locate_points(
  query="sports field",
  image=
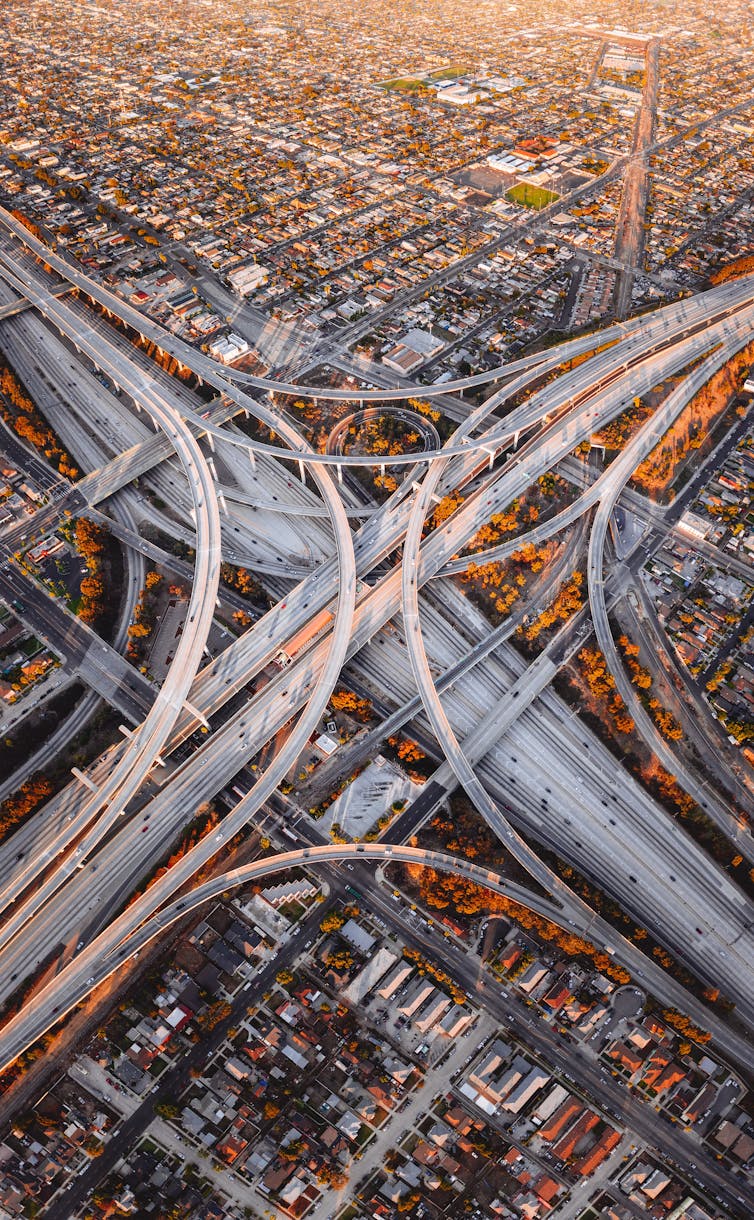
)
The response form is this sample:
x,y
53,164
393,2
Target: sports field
x,y
528,196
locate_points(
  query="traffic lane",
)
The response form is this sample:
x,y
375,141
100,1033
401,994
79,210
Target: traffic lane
x,y
82,651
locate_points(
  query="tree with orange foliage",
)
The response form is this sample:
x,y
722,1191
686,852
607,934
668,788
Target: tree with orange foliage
x,y
695,422
90,539
568,600
347,701
467,898
685,1026
240,579
23,416
731,271
445,509
595,669
424,408
92,599
90,542
31,794
533,556
665,721
407,750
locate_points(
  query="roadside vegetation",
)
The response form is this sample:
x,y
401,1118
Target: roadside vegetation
x,y
22,417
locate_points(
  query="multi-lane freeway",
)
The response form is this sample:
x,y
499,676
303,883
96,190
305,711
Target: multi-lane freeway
x,y
591,814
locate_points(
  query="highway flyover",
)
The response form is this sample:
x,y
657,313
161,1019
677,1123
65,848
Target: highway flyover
x,y
389,527
58,997
144,747
619,473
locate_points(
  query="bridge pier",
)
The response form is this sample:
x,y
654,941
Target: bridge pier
x,y
196,713
84,779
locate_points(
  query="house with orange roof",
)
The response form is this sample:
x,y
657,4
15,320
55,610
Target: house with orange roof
x,y
625,1056
565,1148
557,996
562,1116
546,1189
672,1075
510,957
598,1152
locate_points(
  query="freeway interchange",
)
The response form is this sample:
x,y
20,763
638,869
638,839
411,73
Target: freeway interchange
x,y
503,734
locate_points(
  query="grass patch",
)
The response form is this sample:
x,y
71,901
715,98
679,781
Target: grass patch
x,y
30,646
293,911
529,196
451,73
405,84
350,1213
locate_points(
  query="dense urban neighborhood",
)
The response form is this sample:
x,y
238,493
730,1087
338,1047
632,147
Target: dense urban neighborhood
x,y
376,621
